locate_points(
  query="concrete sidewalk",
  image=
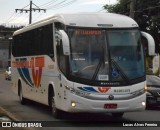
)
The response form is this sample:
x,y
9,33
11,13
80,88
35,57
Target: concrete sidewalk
x,y
6,116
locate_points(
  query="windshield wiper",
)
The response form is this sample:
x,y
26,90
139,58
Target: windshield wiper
x,y
97,69
102,59
124,76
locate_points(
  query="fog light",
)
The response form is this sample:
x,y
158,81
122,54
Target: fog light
x,y
143,103
73,104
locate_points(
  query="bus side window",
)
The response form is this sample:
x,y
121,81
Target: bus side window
x,y
61,59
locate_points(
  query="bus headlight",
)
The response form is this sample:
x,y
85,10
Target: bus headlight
x,y
139,92
73,104
77,92
145,88
143,103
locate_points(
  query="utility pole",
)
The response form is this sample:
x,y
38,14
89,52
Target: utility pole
x,y
30,10
132,8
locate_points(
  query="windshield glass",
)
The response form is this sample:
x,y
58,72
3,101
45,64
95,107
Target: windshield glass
x,y
127,52
88,53
106,55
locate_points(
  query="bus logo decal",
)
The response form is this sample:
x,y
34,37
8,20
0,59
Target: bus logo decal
x,y
37,72
36,65
23,73
103,89
92,89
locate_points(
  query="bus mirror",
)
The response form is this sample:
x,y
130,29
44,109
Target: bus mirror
x,y
65,42
151,43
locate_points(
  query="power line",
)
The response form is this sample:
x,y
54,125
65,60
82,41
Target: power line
x,y
48,3
51,5
67,4
10,17
38,16
24,19
56,4
61,5
13,18
30,10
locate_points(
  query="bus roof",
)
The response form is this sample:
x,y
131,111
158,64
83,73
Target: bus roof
x,y
97,20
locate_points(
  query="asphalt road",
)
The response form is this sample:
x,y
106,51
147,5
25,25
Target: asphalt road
x,y
33,111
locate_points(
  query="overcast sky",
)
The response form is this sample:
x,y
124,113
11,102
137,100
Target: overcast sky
x,y
8,15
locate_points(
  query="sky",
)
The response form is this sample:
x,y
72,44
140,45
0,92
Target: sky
x,y
8,15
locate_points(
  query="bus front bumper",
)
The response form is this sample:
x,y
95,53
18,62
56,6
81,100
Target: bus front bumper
x,y
81,104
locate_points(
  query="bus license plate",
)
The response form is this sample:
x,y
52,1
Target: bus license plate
x,y
110,106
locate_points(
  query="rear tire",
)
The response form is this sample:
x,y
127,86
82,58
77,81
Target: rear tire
x,y
22,99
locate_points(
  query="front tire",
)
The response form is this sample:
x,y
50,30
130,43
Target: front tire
x,y
55,112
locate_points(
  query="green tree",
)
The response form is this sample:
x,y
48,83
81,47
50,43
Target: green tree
x,y
121,7
147,15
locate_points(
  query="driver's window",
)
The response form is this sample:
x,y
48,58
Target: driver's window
x,y
61,59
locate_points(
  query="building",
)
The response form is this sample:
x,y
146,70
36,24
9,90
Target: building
x,y
5,45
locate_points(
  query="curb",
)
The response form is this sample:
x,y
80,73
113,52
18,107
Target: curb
x,y
3,112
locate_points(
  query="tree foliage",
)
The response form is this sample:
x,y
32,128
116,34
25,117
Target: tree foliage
x,y
147,15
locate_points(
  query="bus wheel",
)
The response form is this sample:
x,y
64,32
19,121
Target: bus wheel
x,y
55,112
118,114
22,99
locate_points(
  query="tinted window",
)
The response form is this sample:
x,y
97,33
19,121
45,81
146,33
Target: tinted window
x,y
61,59
38,41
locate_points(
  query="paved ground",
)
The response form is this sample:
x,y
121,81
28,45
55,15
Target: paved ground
x,y
4,115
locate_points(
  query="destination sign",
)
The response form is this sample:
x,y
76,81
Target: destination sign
x,y
88,32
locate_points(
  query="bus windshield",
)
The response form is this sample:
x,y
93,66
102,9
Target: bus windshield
x,y
106,55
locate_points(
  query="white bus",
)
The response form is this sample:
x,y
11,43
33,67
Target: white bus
x,y
81,63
